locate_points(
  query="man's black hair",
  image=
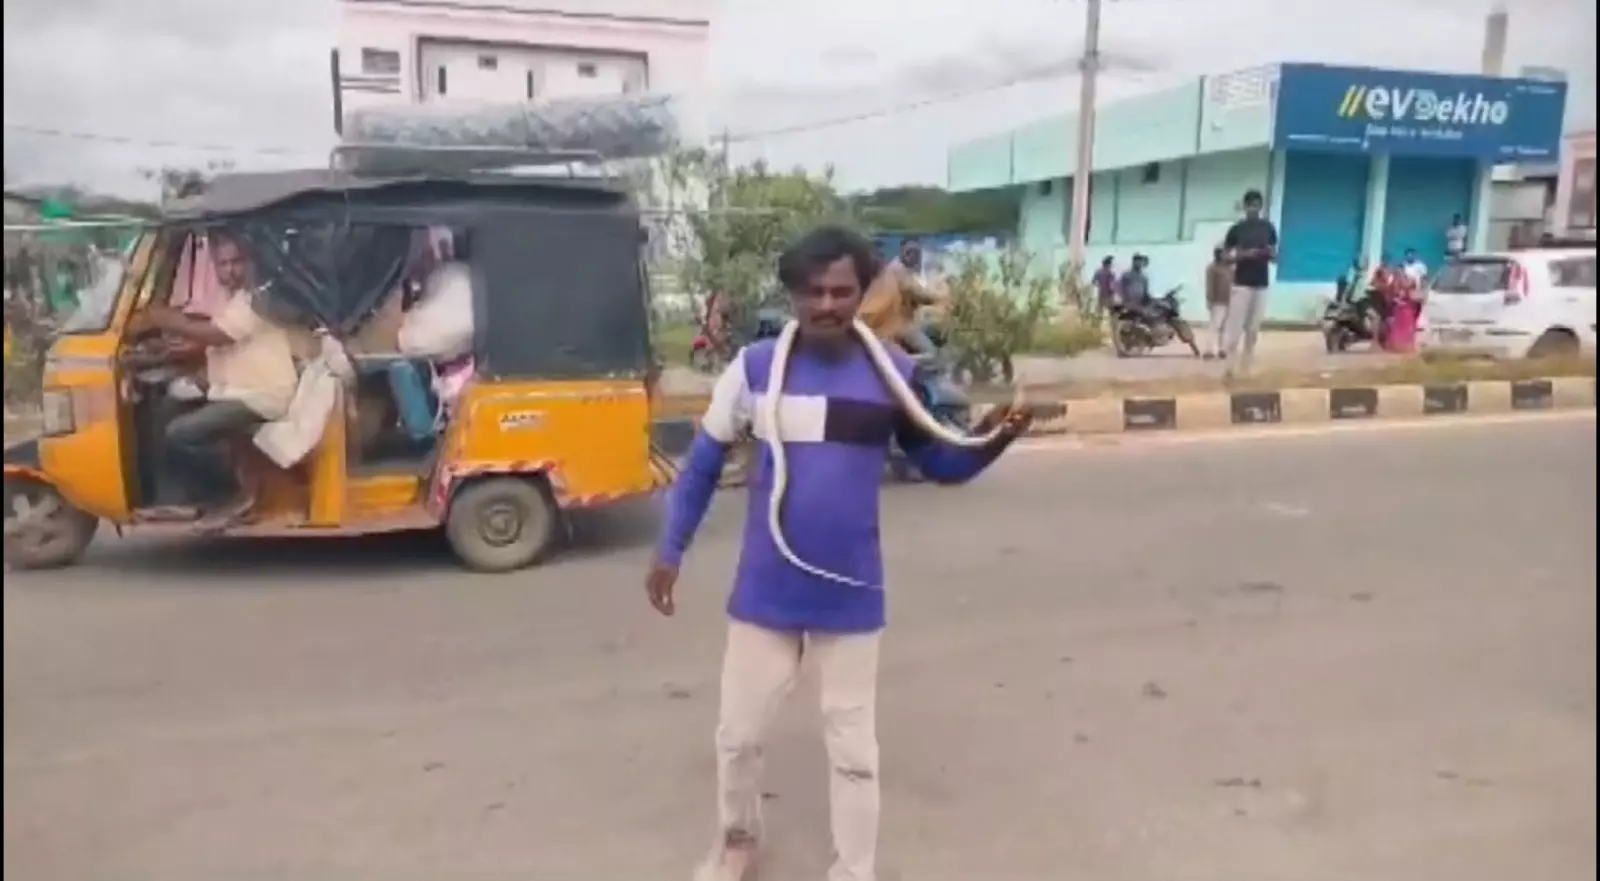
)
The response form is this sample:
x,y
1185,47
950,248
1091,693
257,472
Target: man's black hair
x,y
1252,196
821,248
1108,260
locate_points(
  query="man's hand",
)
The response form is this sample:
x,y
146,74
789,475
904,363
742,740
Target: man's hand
x,y
659,584
1012,422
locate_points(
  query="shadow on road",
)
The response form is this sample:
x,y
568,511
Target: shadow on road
x,y
593,533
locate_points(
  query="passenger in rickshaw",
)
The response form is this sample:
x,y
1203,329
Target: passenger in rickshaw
x,y
249,379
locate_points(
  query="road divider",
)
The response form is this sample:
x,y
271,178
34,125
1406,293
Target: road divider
x,y
1254,408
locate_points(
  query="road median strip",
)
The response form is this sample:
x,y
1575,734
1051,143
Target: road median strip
x,y
1432,390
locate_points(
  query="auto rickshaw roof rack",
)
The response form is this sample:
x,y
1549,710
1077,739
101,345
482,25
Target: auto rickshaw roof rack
x,y
388,160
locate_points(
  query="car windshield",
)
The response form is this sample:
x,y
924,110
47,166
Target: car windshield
x,y
1472,277
98,301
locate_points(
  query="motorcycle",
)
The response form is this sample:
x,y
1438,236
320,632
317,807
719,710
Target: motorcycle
x,y
1138,330
709,353
1348,320
933,380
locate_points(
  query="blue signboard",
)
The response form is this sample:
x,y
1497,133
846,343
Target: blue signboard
x,y
1363,110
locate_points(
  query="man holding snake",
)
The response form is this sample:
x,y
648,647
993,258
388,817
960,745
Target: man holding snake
x,y
825,399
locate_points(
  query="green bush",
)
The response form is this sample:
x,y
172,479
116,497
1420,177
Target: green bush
x,y
996,310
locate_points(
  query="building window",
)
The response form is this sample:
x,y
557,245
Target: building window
x,y
488,62
1045,186
1151,173
380,61
587,70
442,84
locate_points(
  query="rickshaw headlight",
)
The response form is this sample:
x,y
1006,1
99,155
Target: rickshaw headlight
x,y
56,417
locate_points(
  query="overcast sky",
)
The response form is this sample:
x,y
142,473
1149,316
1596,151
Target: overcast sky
x,y
251,75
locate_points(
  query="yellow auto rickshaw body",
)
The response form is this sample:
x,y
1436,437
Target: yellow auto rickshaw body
x,y
531,436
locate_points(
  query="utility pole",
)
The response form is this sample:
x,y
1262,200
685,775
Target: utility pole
x,y
1494,40
1089,70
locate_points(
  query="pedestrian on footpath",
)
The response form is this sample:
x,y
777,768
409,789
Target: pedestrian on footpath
x,y
1251,246
810,578
1219,288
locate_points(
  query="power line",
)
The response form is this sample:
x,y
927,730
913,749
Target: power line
x,y
128,140
1036,75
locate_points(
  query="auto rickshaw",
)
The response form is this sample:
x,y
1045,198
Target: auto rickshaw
x,y
555,416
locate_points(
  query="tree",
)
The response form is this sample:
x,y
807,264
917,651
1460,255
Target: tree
x,y
732,223
932,211
182,182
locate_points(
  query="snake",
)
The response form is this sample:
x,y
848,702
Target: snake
x,y
899,389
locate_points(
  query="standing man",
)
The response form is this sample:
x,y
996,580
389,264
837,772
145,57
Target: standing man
x,y
1219,288
838,416
1455,238
1251,245
1105,283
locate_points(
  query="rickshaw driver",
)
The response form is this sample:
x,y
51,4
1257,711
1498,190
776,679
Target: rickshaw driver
x,y
250,379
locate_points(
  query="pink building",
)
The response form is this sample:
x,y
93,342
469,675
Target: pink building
x,y
1574,211
504,51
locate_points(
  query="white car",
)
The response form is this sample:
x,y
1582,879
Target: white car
x,y
1513,304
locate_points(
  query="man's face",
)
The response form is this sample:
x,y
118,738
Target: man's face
x,y
826,304
1252,208
911,255
1140,264
233,271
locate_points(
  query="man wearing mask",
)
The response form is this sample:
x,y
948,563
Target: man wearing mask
x,y
1251,245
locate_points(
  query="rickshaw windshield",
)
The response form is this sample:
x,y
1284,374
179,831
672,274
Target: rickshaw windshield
x,y
98,301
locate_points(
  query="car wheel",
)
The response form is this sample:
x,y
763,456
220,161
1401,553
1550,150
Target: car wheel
x,y
1555,343
42,529
502,523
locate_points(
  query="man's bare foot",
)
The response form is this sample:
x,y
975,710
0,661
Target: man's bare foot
x,y
231,514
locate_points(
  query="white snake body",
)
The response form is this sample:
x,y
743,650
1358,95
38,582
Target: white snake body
x,y
903,395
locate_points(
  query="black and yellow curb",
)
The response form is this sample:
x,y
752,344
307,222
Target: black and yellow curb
x,y
1290,406
1299,406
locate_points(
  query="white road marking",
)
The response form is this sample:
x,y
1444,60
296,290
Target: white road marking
x,y
1137,439
1282,510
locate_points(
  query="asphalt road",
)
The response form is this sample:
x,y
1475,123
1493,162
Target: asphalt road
x,y
1278,350
1293,657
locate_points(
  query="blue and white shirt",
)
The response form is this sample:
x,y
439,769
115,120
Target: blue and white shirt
x,y
837,418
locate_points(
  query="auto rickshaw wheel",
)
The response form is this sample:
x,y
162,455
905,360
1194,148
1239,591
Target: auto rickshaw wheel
x,y
42,529
500,524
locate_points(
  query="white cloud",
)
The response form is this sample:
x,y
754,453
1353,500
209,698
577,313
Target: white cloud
x,y
248,74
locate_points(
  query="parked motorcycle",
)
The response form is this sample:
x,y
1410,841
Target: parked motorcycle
x,y
1136,330
1349,320
710,353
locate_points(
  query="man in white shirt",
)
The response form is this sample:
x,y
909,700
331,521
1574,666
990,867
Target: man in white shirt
x,y
1414,268
250,379
1455,237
